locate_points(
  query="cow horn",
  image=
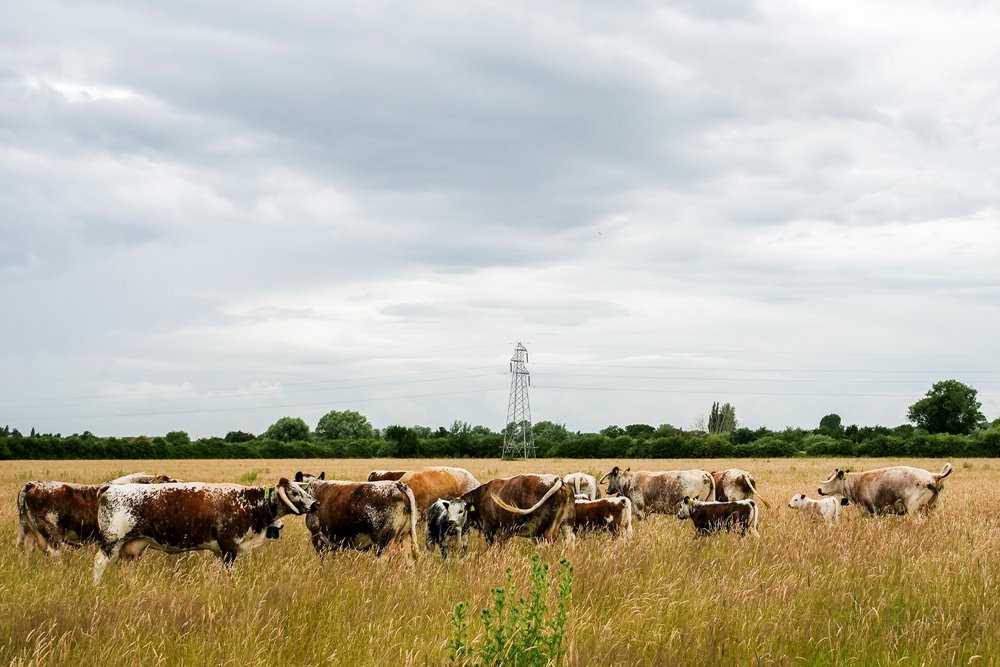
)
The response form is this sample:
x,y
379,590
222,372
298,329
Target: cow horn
x,y
284,499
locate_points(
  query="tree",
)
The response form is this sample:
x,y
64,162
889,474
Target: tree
x,y
405,440
949,407
344,425
550,432
721,419
176,438
830,424
239,436
288,429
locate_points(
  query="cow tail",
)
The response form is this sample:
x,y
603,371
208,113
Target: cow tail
x,y
754,518
711,485
749,480
414,548
23,516
517,510
628,519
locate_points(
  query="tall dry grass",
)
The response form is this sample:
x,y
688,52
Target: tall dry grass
x,y
870,592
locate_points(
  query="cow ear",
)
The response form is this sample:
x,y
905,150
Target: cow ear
x,y
322,475
840,474
628,469
283,482
298,476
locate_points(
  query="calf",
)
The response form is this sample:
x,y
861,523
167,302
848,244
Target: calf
x,y
227,519
895,490
611,514
385,475
827,509
659,491
54,514
583,484
495,508
362,515
713,516
447,518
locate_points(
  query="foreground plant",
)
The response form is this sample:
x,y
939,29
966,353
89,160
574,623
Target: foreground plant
x,y
521,632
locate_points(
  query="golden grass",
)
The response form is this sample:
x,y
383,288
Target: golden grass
x,y
869,592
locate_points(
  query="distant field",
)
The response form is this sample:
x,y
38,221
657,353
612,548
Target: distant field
x,y
870,592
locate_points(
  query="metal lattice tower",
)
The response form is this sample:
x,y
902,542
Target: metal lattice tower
x,y
518,441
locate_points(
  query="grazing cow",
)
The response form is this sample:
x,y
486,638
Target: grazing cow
x,y
142,478
611,514
896,490
659,491
445,519
713,516
432,484
385,475
538,506
362,515
735,484
227,519
52,514
583,484
827,509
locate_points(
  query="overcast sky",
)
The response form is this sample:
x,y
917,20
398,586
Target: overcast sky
x,y
212,216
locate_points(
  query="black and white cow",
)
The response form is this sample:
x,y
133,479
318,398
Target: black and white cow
x,y
446,519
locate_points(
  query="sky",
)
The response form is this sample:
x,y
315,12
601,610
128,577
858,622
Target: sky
x,y
213,215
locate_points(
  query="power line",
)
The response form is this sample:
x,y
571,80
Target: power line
x,y
716,393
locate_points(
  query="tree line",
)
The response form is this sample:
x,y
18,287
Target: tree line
x,y
945,422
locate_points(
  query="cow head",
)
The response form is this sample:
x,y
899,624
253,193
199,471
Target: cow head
x,y
294,498
835,485
456,513
686,506
796,501
617,480
308,478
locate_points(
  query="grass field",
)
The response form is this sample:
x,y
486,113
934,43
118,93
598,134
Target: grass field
x,y
881,591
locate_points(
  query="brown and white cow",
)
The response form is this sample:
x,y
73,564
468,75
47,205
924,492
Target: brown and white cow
x,y
362,515
538,506
713,516
431,484
583,485
735,484
227,519
53,514
895,490
385,475
610,514
659,492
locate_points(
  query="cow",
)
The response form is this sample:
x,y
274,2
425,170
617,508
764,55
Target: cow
x,y
362,515
142,478
827,509
385,475
447,518
434,483
659,491
896,490
226,519
538,506
735,484
713,516
53,514
583,484
610,514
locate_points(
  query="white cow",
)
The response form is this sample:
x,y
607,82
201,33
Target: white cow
x,y
827,509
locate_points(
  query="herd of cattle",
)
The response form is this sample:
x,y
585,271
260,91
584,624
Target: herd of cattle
x,y
127,515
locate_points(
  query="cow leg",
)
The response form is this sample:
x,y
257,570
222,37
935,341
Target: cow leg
x,y
107,554
228,549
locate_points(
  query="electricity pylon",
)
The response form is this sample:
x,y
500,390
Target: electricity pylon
x,y
518,441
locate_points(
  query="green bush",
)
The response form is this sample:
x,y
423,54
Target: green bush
x,y
521,632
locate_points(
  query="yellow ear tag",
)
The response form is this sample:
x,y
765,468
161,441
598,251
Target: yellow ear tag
x,y
472,508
